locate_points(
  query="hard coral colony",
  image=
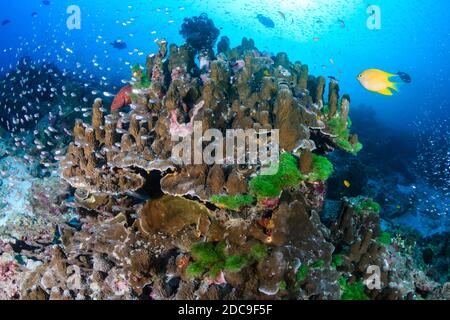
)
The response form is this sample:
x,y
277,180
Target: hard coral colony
x,y
150,227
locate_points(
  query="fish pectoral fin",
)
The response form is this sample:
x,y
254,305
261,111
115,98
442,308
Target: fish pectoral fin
x,y
385,92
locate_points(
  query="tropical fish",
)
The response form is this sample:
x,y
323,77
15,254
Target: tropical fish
x,y
347,183
282,15
46,3
34,14
404,76
119,44
122,99
5,22
265,21
333,79
376,80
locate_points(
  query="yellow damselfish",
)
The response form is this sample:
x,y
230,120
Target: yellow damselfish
x,y
347,183
376,80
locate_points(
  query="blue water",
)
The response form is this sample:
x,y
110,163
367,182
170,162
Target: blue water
x,y
332,37
414,38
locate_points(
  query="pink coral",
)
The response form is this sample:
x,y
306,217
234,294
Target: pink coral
x,y
204,63
183,130
7,270
179,73
219,280
238,65
204,77
270,202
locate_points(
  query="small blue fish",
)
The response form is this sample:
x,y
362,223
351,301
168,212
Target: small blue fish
x,y
265,21
119,44
5,22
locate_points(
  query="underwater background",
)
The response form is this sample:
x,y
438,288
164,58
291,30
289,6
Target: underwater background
x,y
405,163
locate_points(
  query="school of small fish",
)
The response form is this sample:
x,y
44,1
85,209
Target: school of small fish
x,y
48,79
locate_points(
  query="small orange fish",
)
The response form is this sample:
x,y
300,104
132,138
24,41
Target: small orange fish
x,y
347,183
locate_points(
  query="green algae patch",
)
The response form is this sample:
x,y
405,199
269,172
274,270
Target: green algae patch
x,y
385,238
136,68
282,286
271,186
258,252
347,146
322,169
337,260
301,274
368,205
341,130
361,204
354,291
143,84
234,203
210,259
318,264
235,263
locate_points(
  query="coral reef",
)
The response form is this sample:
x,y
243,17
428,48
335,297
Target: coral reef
x,y
148,227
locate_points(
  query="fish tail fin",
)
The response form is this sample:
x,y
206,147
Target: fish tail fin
x,y
394,86
390,75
